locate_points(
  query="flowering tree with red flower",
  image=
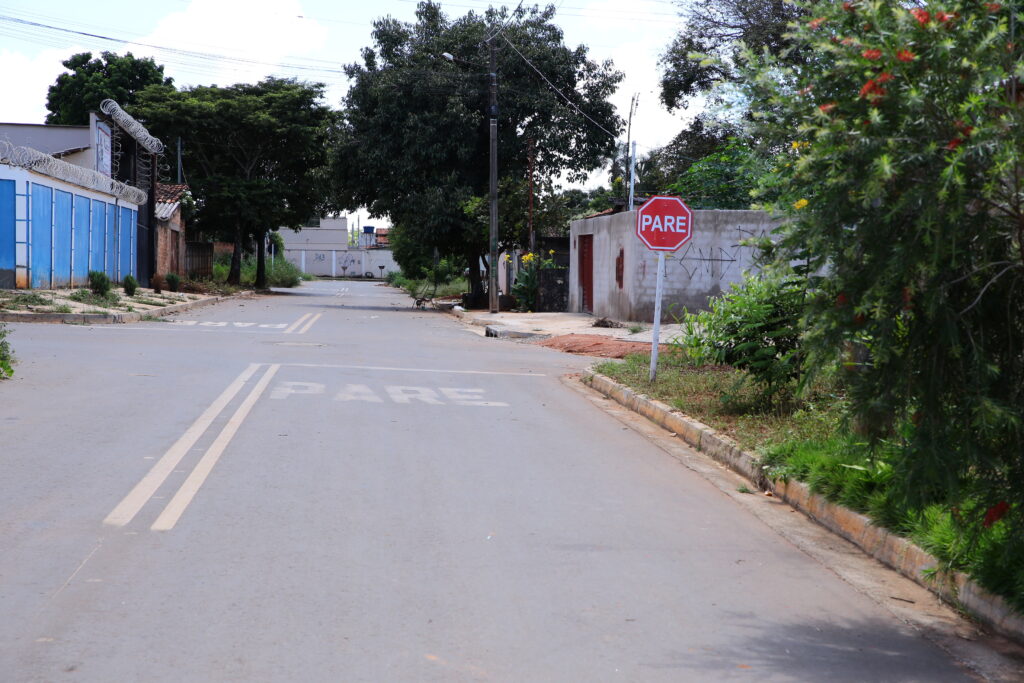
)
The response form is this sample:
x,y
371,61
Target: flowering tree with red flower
x,y
914,177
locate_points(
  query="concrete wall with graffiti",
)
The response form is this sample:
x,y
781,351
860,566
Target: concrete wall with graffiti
x,y
623,271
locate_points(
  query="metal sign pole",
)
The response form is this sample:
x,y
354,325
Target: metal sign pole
x,y
656,332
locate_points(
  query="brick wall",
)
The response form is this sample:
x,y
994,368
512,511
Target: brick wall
x,y
170,245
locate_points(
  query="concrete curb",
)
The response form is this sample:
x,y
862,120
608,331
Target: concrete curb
x,y
114,318
502,332
894,551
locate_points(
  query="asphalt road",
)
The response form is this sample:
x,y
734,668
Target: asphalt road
x,y
328,485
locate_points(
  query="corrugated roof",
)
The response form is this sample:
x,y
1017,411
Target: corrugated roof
x,y
164,210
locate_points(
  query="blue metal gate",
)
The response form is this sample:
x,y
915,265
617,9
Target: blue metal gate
x,y
41,259
7,235
80,248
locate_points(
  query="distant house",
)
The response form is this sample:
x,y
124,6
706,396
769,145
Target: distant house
x,y
75,199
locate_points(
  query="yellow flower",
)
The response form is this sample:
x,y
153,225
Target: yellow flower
x,y
800,203
506,258
528,258
551,252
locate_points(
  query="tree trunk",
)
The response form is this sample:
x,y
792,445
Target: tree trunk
x,y
235,272
261,260
476,285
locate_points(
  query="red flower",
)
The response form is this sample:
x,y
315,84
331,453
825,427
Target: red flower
x,y
805,91
871,54
826,108
848,41
859,319
965,130
885,77
841,300
993,7
848,6
945,17
905,56
996,513
873,89
921,15
954,143
816,23
908,298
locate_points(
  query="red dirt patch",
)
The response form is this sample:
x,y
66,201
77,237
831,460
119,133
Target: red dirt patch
x,y
596,345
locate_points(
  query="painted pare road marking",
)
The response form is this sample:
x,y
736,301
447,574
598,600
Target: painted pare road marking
x,y
383,368
157,475
440,396
312,320
172,513
294,325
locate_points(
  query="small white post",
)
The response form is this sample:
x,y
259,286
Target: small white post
x,y
656,332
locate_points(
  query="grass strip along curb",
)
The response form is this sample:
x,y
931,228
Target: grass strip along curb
x,y
894,551
112,318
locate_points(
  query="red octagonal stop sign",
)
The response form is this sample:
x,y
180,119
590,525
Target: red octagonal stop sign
x,y
664,223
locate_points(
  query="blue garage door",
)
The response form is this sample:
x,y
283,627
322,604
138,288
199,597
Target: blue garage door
x,y
80,258
62,225
7,233
99,230
42,219
110,262
125,233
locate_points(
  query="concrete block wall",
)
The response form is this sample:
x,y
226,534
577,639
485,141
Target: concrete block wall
x,y
701,269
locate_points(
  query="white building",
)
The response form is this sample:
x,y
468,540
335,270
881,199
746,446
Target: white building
x,y
327,247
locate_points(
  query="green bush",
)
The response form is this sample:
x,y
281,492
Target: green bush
x,y
130,285
173,282
157,283
99,283
6,355
755,327
84,296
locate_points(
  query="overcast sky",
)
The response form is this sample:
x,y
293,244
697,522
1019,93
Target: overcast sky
x,y
309,39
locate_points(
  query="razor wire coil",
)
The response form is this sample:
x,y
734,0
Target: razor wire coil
x,y
40,162
131,126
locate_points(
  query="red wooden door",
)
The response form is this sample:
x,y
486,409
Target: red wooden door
x,y
586,251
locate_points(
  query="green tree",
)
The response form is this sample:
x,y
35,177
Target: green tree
x,y
414,141
725,179
91,81
902,174
256,155
720,29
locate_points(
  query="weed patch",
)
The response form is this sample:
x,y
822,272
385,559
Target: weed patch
x,y
84,296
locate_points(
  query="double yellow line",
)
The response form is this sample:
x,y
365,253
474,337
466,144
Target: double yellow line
x,y
138,497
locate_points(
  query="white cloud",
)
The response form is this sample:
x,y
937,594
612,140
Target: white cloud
x,y
26,82
261,34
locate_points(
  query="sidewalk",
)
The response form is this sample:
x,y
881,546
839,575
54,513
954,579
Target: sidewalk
x,y
542,325
57,306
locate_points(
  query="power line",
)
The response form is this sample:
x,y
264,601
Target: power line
x,y
505,25
186,54
560,93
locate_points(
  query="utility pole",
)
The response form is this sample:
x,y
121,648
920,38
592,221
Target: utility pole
x,y
632,175
492,111
533,239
